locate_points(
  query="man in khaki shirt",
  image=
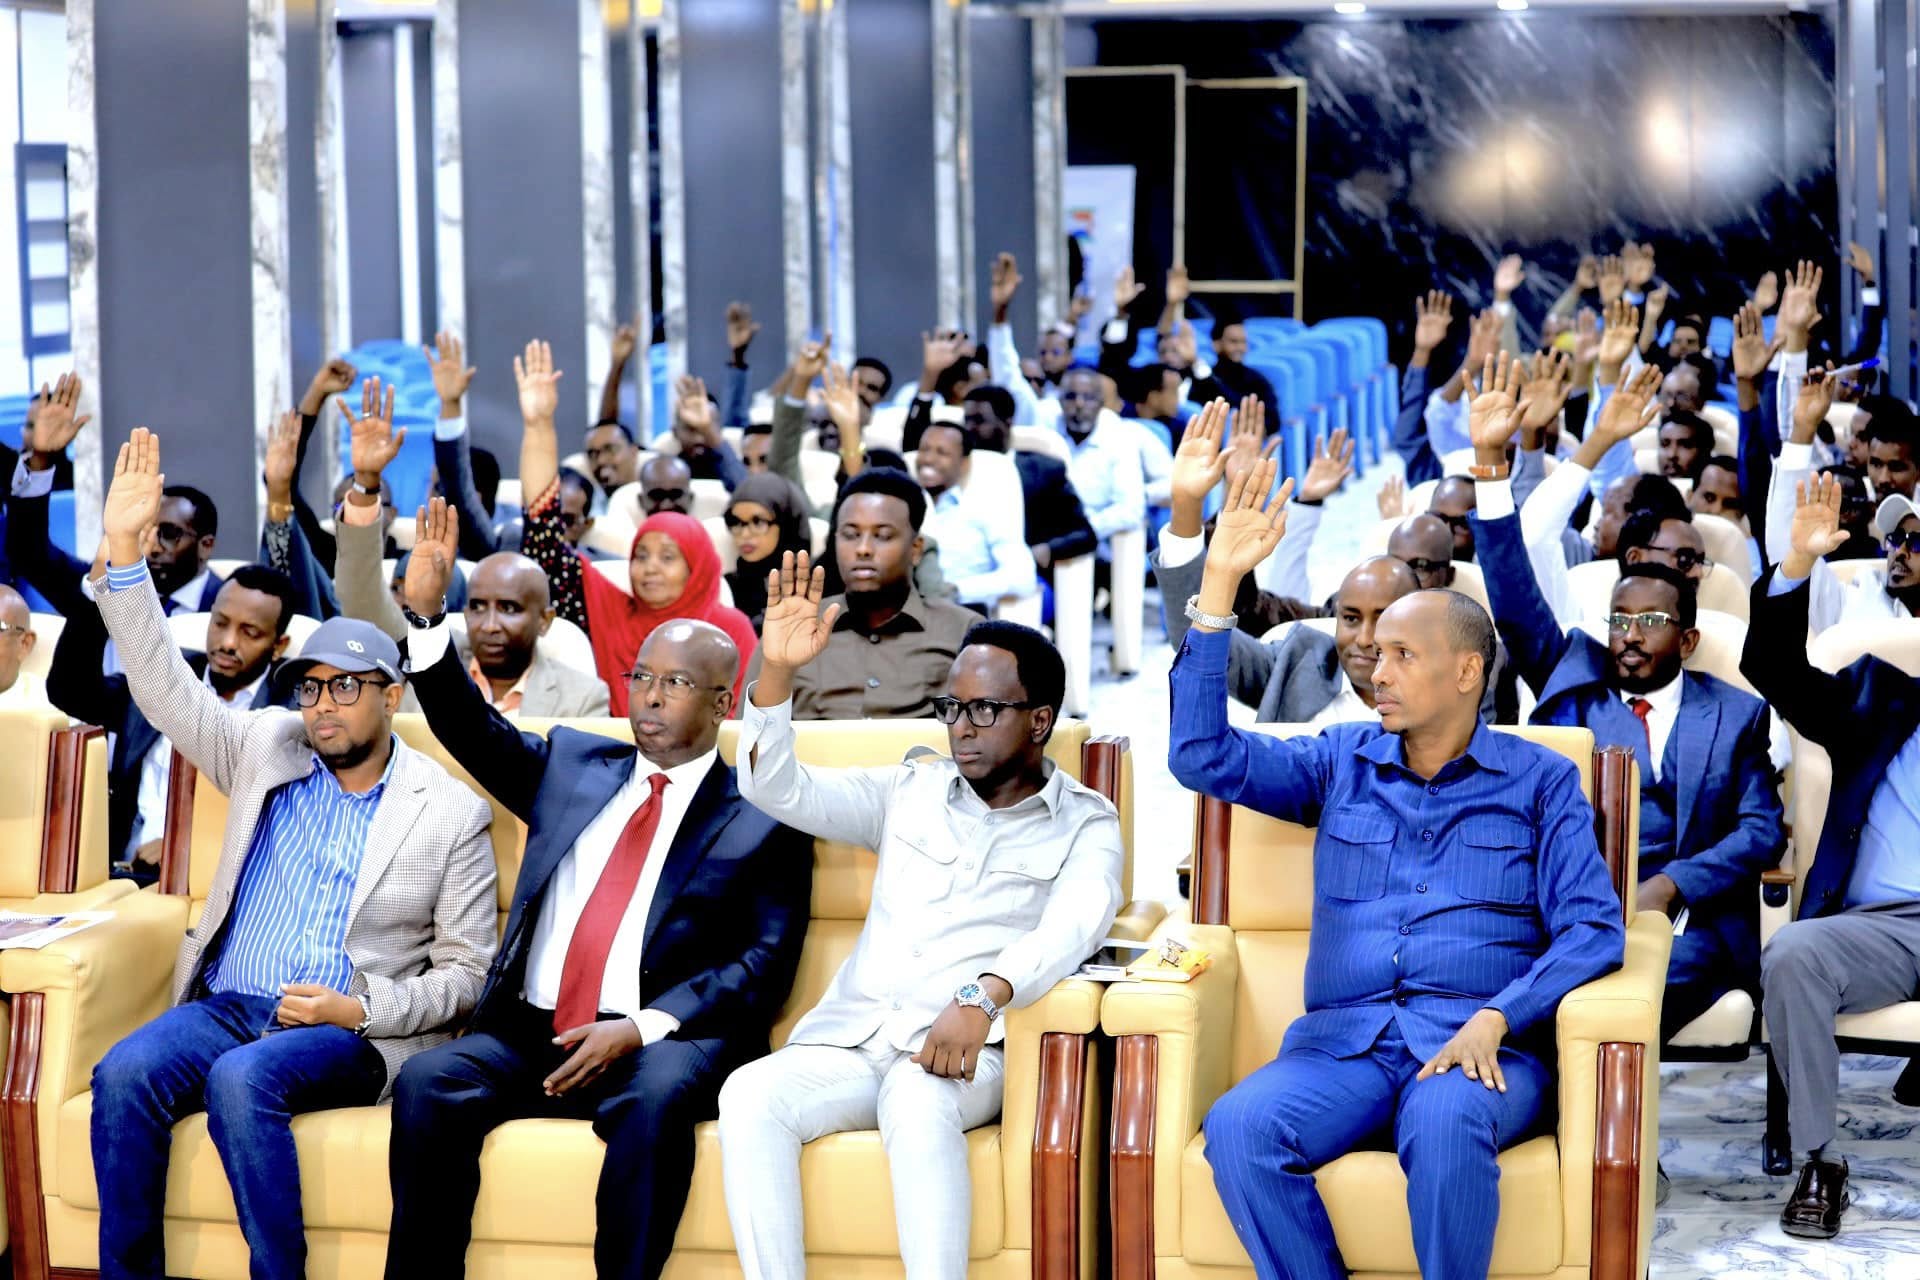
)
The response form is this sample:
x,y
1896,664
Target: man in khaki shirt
x,y
891,648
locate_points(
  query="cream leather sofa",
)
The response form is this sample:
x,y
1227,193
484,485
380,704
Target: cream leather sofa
x,y
1034,1177
1574,1203
53,850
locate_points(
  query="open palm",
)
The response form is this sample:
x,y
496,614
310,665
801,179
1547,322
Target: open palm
x,y
1816,518
55,418
1332,464
1631,406
795,631
1491,419
430,568
1247,531
1199,462
133,501
538,382
374,441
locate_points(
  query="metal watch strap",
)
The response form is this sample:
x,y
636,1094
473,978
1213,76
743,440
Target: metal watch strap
x,y
366,1023
416,621
1218,621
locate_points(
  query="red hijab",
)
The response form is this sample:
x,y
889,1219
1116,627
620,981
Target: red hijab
x,y
619,623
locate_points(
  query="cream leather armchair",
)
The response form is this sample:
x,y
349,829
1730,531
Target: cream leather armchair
x,y
1575,1202
1035,1178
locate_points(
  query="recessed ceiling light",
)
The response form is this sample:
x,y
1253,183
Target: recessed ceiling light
x,y
1349,7
1513,6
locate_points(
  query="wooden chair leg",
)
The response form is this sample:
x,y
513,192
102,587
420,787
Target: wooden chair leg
x,y
1776,1153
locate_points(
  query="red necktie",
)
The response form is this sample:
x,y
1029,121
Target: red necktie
x,y
1643,709
586,962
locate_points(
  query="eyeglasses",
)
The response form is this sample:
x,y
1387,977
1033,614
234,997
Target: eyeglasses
x,y
1904,540
13,629
1453,522
675,687
1650,623
660,497
982,712
167,531
752,524
345,690
1685,559
1424,567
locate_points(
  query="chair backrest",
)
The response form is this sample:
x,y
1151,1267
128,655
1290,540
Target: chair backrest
x,y
611,534
225,568
1470,581
722,539
1892,640
46,634
53,795
1419,498
1042,440
507,494
1591,585
818,469
623,509
1278,635
843,874
1848,570
1726,542
190,629
710,498
886,428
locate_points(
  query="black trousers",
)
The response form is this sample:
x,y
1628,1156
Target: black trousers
x,y
449,1098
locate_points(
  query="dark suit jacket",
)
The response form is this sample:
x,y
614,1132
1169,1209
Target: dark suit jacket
x,y
52,571
75,685
1727,820
1054,513
1862,715
723,937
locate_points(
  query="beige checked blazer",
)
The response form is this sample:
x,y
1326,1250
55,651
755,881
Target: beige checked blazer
x,y
421,924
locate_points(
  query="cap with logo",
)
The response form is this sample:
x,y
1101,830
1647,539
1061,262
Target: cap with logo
x,y
1893,509
351,645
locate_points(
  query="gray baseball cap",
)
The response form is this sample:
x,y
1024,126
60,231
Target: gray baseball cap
x,y
1894,508
349,644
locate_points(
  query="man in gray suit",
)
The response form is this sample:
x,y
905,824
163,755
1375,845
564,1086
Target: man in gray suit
x,y
349,925
508,609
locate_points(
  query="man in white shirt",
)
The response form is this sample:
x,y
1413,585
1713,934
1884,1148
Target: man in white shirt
x,y
982,552
998,875
18,689
656,924
1105,464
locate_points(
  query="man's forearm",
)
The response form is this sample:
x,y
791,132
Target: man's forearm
x,y
610,391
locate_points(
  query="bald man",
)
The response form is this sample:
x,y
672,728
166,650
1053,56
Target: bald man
x,y
655,930
1453,502
666,484
505,643
1425,544
18,689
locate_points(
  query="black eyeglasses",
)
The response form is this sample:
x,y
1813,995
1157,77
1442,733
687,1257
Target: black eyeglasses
x,y
1904,540
752,524
675,687
982,712
1424,567
660,497
1453,522
1650,623
345,690
1685,559
167,531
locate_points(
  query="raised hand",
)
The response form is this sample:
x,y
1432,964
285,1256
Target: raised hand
x,y
1126,289
794,631
1800,305
1639,264
1587,275
1861,260
451,376
1332,464
283,456
1816,521
54,423
1766,291
537,380
939,350
1247,531
808,363
1586,346
626,341
1432,317
1619,337
1200,460
1632,405
1492,418
1483,340
1247,440
1752,352
1509,275
1078,305
692,409
1657,303
1815,399
332,378
1392,498
1545,392
741,327
1178,286
436,544
1185,349
1613,279
1006,283
843,403
133,499
374,441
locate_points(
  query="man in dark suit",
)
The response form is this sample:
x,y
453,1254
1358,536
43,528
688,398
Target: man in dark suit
x,y
1056,523
1856,943
246,634
654,933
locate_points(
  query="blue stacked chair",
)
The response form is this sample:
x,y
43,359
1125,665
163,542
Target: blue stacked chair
x,y
1360,377
1720,336
1304,410
1335,384
416,406
1382,378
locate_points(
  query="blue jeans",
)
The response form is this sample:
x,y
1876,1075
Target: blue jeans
x,y
217,1055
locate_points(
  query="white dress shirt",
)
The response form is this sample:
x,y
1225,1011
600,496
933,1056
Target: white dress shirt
x,y
1346,708
1024,893
573,883
1660,720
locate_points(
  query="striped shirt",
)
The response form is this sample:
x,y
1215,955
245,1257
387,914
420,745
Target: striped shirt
x,y
289,920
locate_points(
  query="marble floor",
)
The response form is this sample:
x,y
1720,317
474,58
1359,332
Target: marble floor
x,y
1722,1217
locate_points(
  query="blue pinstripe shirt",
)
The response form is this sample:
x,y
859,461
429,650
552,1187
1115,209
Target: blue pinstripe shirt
x,y
1481,887
289,921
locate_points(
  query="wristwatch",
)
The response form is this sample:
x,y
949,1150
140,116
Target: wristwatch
x,y
1218,621
361,489
366,1023
973,995
419,623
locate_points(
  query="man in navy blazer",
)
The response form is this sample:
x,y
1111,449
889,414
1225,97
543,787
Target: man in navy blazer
x,y
655,929
1710,819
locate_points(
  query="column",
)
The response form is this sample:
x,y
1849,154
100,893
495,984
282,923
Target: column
x,y
640,199
267,215
673,198
449,239
1003,180
83,268
946,164
1049,157
797,215
596,167
835,210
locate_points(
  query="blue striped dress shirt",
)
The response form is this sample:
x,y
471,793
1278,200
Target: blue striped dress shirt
x,y
289,921
1481,887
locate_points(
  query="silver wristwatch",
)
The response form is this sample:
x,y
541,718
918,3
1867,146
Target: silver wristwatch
x,y
975,996
366,1022
1218,621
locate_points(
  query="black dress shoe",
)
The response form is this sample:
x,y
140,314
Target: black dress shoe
x,y
1813,1213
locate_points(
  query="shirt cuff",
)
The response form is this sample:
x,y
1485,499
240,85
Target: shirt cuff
x,y
1870,296
1502,309
1780,584
1636,297
1493,499
1116,331
121,577
653,1025
427,645
1176,550
1793,365
450,428
1794,457
759,724
28,483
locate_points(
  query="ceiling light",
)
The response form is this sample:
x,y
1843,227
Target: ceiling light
x,y
1513,6
1349,7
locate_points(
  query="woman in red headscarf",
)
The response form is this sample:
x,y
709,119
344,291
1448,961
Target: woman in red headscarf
x,y
673,572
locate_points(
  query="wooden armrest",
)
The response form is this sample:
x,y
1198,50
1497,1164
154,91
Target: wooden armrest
x,y
1778,877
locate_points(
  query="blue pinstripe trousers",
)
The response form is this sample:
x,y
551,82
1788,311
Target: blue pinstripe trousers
x,y
1267,1134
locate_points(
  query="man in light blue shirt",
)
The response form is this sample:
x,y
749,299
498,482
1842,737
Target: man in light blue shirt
x,y
1105,467
982,550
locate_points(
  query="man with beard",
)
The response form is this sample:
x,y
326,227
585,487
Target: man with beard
x,y
1709,812
891,648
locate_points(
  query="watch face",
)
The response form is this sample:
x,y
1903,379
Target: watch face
x,y
969,992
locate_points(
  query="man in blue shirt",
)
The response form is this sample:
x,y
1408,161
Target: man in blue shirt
x,y
1459,895
1856,944
982,551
